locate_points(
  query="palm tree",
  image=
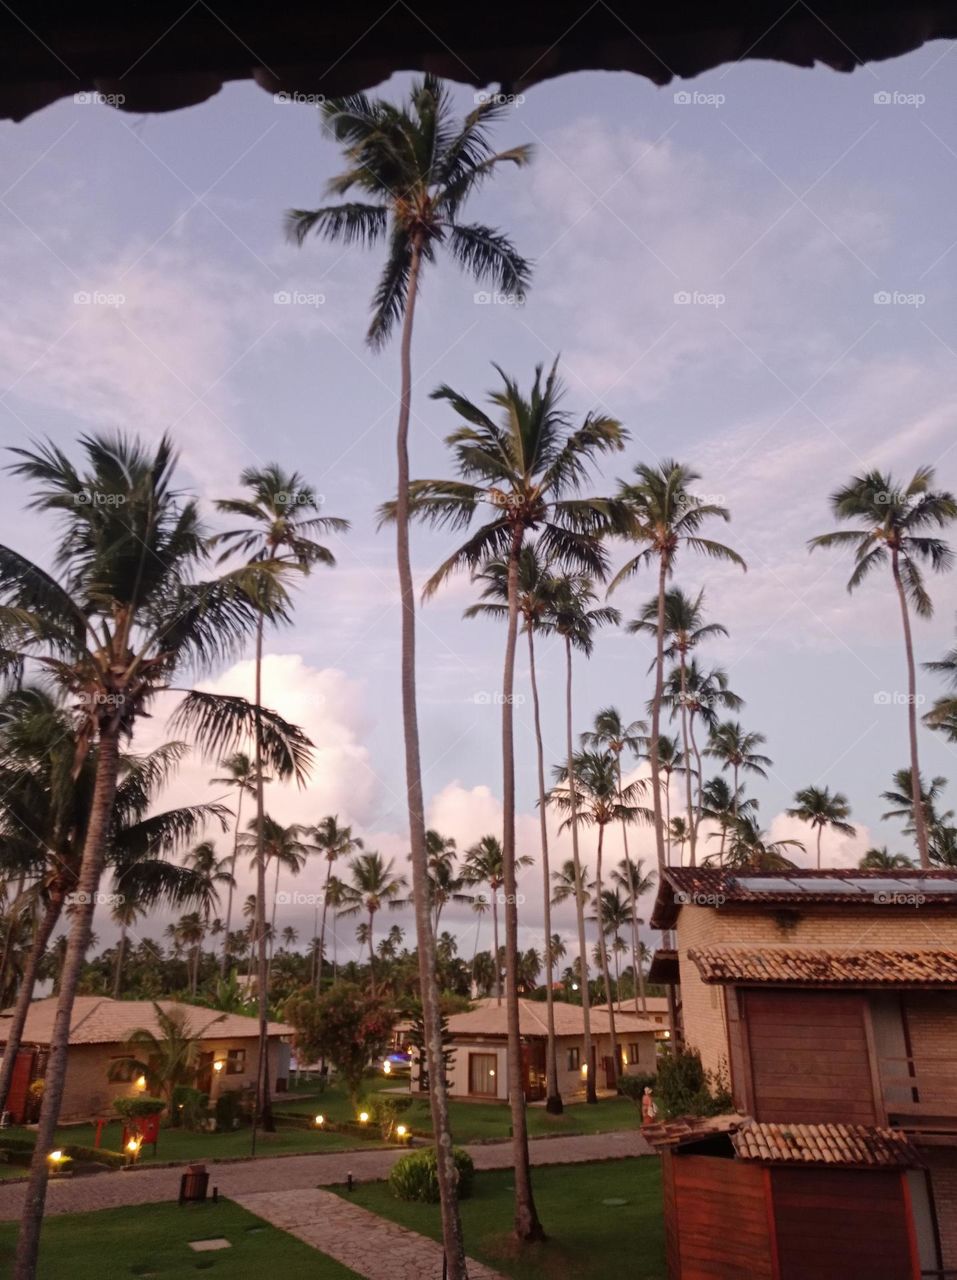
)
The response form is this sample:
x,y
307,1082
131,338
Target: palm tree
x,y
209,872
574,619
750,850
736,750
446,883
536,588
168,1060
527,469
893,523
614,914
610,733
417,167
332,841
124,618
685,629
555,948
484,864
241,776
374,885
722,805
665,515
820,808
280,846
280,522
881,859
943,714
630,876
670,761
598,801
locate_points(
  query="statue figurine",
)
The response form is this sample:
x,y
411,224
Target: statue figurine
x,y
649,1112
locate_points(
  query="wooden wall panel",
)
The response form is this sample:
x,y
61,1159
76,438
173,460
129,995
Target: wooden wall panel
x,y
722,1220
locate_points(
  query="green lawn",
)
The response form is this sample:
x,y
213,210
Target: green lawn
x,y
180,1144
588,1239
153,1240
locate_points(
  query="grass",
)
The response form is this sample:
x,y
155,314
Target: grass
x,y
587,1238
153,1240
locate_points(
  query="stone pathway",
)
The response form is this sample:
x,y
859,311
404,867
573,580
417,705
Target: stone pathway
x,y
369,1245
109,1190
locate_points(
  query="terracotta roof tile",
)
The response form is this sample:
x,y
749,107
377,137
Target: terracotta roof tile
x,y
99,1020
831,966
855,1145
489,1019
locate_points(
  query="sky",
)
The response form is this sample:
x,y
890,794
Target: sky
x,y
753,271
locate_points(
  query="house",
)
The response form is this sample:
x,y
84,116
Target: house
x,y
655,1010
99,1032
478,1065
826,999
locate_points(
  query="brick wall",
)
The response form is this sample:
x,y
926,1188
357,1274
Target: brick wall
x,y
942,1164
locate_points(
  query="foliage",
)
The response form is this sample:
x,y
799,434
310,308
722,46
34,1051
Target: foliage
x,y
189,1107
143,1105
633,1087
385,1110
168,1060
683,1087
345,1025
414,1177
229,1109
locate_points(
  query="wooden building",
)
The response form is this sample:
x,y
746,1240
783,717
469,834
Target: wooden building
x,y
827,998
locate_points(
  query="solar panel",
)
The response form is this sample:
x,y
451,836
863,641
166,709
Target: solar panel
x,y
928,887
822,885
765,884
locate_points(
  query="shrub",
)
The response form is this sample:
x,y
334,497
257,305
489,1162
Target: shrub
x,y
415,1176
229,1108
190,1107
633,1087
143,1105
95,1155
685,1088
385,1109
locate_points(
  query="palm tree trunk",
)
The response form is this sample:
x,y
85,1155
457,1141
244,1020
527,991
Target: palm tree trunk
x,y
452,1238
322,928
496,957
11,927
591,1094
603,955
631,890
700,776
263,1110
88,883
656,710
229,896
820,832
920,816
686,743
371,955
527,1225
734,798
553,1097
272,931
118,971
14,1032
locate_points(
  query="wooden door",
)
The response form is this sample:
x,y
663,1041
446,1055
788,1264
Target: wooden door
x,y
18,1095
810,1059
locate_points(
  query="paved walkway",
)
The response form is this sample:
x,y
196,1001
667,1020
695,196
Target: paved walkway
x,y
369,1245
108,1190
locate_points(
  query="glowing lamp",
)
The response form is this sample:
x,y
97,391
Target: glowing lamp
x,y
133,1146
55,1157
492,1071
320,1121
363,1117
584,1069
218,1065
401,1130
387,1067
141,1082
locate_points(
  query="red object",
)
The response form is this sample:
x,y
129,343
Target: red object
x,y
149,1128
99,1131
18,1095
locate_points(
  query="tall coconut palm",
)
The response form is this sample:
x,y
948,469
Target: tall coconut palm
x,y
373,885
610,733
671,760
705,693
722,805
881,859
283,850
536,589
749,849
665,515
416,166
737,751
943,714
573,617
614,915
210,873
598,802
528,468
332,842
630,876
485,864
446,882
894,529
685,628
280,521
125,616
240,776
820,808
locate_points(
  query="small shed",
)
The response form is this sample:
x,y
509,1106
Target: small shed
x,y
786,1202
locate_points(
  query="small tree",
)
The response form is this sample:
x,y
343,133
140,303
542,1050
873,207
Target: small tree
x,y
167,1060
417,1041
345,1025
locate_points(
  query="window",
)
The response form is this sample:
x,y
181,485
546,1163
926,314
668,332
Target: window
x,y
122,1071
574,1058
236,1062
633,1054
482,1077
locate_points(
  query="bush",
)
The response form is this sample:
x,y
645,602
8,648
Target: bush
x,y
143,1105
190,1107
685,1088
229,1109
385,1110
415,1176
633,1087
95,1155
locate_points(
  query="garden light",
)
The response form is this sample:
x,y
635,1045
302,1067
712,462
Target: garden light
x,y
320,1121
363,1117
218,1064
584,1069
387,1067
133,1145
55,1157
141,1082
401,1130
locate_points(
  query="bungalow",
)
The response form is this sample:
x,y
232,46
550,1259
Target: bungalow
x,y
478,1065
99,1033
827,1001
655,1009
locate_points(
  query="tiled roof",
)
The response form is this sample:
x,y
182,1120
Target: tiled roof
x,y
852,1145
840,886
99,1020
489,1019
839,966
857,1145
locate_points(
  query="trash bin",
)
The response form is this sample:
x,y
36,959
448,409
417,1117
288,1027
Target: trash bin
x,y
194,1183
